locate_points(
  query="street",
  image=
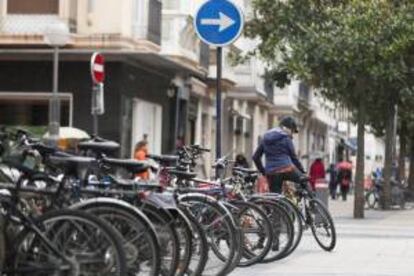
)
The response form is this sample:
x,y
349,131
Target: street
x,y
381,244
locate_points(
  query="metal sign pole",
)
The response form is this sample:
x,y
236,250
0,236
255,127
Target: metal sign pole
x,y
219,23
95,89
98,76
218,106
54,116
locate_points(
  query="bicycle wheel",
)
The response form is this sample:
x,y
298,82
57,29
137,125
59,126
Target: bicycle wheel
x,y
257,234
185,238
167,236
234,210
199,248
220,229
139,239
297,221
68,242
371,199
2,243
282,227
322,225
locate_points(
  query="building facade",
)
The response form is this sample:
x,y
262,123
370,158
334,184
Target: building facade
x,y
141,87
160,79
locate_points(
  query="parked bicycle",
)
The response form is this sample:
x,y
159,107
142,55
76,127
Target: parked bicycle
x,y
373,195
173,224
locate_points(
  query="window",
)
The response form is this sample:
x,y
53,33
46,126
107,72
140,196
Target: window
x,y
32,109
33,7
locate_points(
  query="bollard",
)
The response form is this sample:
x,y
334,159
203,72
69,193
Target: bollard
x,y
322,193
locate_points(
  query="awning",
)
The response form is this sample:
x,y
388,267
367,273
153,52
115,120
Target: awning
x,y
147,60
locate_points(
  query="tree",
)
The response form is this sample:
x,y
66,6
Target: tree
x,y
351,50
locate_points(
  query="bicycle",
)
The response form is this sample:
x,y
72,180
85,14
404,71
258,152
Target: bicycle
x,y
315,216
142,255
61,241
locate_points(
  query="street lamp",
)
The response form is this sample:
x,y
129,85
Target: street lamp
x,y
55,35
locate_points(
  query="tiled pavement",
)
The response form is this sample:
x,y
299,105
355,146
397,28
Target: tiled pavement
x,y
382,244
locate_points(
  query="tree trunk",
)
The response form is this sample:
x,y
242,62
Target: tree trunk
x,y
411,174
389,157
403,150
359,175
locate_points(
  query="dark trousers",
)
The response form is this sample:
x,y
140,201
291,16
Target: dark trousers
x,y
276,180
344,191
333,186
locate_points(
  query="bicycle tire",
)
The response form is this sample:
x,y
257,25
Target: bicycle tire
x,y
2,243
297,220
281,224
26,240
264,237
167,235
200,246
185,237
371,200
209,206
326,218
234,210
130,224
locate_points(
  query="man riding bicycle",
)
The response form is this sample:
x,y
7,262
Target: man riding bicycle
x,y
282,163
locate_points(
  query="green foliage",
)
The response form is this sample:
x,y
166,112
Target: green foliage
x,y
353,50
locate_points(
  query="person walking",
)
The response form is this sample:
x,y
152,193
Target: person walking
x,y
316,172
282,163
344,177
333,181
140,153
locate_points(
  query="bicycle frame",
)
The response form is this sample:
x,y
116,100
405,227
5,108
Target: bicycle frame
x,y
13,214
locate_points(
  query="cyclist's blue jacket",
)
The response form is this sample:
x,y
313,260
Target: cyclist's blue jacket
x,y
279,152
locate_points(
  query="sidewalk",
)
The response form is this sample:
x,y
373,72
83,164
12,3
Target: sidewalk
x,y
382,244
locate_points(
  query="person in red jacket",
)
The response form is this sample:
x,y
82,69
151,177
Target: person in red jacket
x,y
317,171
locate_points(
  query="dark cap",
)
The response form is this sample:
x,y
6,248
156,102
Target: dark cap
x,y
290,123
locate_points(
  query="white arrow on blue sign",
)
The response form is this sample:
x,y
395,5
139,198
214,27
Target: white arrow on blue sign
x,y
219,22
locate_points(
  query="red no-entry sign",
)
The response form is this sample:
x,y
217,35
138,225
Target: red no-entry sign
x,y
98,68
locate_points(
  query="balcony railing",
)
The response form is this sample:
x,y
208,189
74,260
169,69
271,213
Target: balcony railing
x,y
22,24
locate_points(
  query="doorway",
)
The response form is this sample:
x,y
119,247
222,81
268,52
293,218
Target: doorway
x,y
147,123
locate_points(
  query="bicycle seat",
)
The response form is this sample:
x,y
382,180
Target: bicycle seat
x,y
101,146
66,160
70,163
183,174
44,149
163,158
245,170
130,165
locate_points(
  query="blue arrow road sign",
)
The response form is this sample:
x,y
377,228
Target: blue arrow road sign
x,y
219,22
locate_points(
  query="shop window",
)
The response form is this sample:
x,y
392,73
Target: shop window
x,y
31,111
